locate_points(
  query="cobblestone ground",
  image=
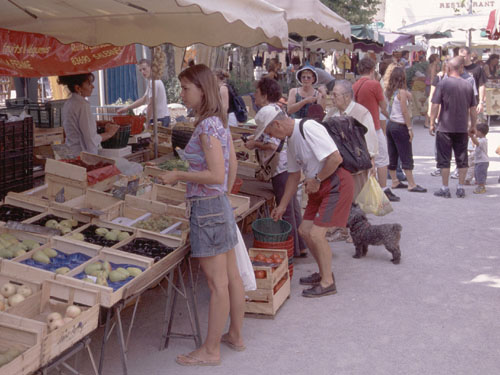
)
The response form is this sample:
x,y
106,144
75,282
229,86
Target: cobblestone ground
x,y
435,313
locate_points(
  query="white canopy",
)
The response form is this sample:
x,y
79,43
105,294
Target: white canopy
x,y
311,17
149,22
443,24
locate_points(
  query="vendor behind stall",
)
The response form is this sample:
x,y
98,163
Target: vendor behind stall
x,y
161,105
79,124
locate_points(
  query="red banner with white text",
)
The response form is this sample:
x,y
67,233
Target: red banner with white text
x,y
36,55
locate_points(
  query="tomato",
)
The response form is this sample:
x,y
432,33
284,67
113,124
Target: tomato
x,y
260,257
260,274
278,260
269,260
276,257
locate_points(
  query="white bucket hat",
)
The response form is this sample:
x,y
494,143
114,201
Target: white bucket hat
x,y
307,67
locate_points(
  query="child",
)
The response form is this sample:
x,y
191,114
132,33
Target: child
x,y
471,150
481,161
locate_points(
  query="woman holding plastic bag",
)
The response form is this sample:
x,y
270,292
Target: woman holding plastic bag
x,y
213,234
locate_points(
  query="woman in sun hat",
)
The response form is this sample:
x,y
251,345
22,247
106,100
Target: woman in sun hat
x,y
300,98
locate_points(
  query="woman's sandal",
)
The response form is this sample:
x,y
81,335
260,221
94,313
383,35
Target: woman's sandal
x,y
189,360
239,348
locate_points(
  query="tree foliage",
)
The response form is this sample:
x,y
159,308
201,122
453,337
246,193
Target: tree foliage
x,y
357,12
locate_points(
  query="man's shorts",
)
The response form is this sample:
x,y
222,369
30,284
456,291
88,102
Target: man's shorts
x,y
382,158
331,204
445,142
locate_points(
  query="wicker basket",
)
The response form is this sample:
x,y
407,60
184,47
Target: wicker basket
x,y
268,230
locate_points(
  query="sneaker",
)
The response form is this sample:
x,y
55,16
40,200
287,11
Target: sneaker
x,y
460,193
443,193
436,172
480,190
391,196
454,175
319,291
312,279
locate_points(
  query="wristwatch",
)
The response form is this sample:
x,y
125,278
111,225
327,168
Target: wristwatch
x,y
317,178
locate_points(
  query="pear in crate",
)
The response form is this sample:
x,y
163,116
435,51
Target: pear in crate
x,y
40,257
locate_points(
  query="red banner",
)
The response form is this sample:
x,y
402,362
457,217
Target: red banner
x,y
36,55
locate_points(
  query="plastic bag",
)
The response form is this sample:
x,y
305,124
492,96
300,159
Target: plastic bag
x,y
372,199
244,263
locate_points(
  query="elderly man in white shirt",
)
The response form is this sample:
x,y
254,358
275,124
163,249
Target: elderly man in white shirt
x,y
346,106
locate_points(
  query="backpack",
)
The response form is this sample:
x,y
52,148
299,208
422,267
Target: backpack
x,y
349,136
237,103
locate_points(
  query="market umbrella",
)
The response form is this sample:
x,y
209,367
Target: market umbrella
x,y
464,22
311,17
149,22
492,27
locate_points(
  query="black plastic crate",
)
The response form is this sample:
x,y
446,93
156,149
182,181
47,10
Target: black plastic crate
x,y
47,115
17,186
18,167
17,102
16,135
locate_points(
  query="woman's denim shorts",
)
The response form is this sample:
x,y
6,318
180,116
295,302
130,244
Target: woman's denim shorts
x,y
213,228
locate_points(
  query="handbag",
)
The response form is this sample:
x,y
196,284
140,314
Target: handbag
x,y
372,199
244,263
267,169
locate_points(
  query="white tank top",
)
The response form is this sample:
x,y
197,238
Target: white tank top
x,y
396,113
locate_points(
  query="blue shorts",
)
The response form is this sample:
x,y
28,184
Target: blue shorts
x,y
213,228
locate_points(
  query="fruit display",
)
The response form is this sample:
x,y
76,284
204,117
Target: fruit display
x,y
54,260
12,294
260,259
174,165
102,236
55,320
9,212
149,248
9,355
11,247
89,167
156,223
54,222
109,274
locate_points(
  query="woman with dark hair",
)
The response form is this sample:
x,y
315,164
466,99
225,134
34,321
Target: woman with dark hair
x,y
79,124
269,91
491,66
213,236
399,131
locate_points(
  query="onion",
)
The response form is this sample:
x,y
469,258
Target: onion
x,y
16,299
53,316
73,311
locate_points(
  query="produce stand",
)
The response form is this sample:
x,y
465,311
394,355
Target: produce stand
x,y
492,99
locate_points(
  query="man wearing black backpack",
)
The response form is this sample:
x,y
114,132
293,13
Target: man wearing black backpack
x,y
311,150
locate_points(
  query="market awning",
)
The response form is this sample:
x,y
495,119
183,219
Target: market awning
x,y
366,34
464,22
493,26
36,55
149,22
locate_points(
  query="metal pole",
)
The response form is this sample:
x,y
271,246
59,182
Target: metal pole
x,y
153,98
469,32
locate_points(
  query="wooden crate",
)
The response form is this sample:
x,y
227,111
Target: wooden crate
x,y
48,136
35,286
272,291
61,214
56,296
73,178
272,276
13,333
159,268
92,199
247,168
31,202
239,146
34,274
21,235
103,224
37,196
26,204
107,296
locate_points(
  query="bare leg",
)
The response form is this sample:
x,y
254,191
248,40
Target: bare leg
x,y
236,300
215,270
394,178
315,238
445,176
409,177
382,177
462,173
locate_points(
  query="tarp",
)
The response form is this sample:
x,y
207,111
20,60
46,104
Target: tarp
x,y
365,33
442,24
35,55
492,28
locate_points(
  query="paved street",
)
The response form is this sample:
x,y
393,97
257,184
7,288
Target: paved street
x,y
435,313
